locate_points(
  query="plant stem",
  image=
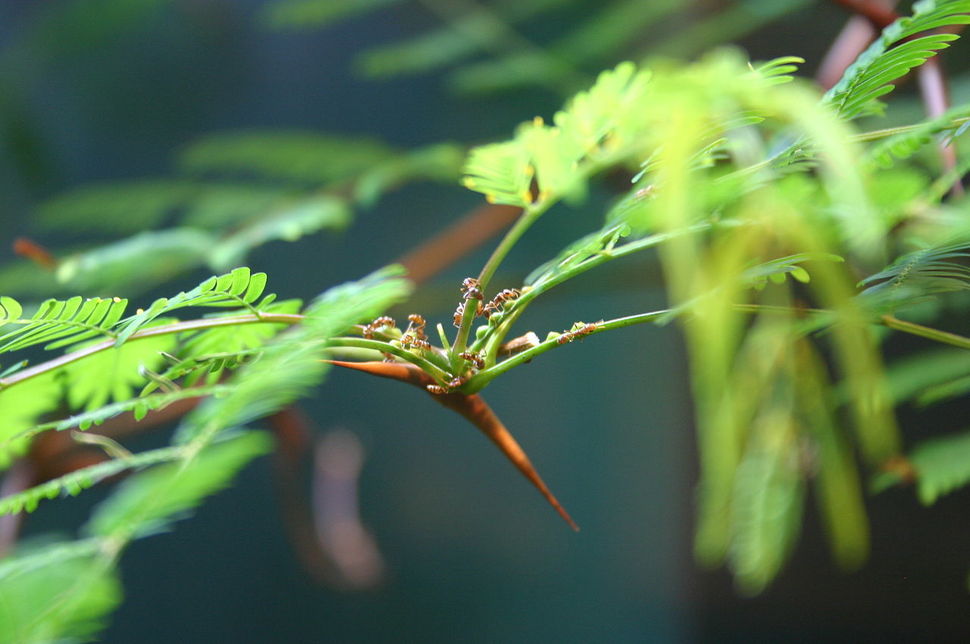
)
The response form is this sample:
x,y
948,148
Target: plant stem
x,y
433,370
529,216
165,329
482,378
925,332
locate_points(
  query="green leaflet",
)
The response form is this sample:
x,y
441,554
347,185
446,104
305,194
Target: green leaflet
x,y
298,157
884,153
871,75
596,124
474,31
293,362
911,377
308,14
112,375
766,514
74,483
60,323
239,287
288,222
209,351
138,406
20,407
56,591
10,310
116,208
148,502
137,263
942,466
929,271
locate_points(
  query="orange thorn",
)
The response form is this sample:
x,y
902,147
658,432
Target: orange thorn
x,y
476,411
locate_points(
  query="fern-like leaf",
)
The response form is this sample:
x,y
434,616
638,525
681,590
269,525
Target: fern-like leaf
x,y
942,466
766,514
909,378
59,592
150,501
311,14
300,157
289,223
293,362
138,406
79,480
904,145
20,407
59,323
892,56
936,269
597,123
114,374
137,263
116,208
240,287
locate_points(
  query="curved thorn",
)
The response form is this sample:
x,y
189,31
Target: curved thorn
x,y
474,409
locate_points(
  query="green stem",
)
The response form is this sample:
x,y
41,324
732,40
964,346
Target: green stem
x,y
925,332
482,378
495,338
529,216
426,365
875,135
165,329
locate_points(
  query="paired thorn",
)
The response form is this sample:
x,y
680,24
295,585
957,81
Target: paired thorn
x,y
473,408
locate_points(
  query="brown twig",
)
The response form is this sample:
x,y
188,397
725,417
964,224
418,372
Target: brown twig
x,y
457,240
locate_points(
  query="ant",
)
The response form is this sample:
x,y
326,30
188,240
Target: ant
x,y
503,296
379,323
579,330
414,336
473,357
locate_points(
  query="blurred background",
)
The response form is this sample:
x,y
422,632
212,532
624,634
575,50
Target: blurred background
x,y
110,91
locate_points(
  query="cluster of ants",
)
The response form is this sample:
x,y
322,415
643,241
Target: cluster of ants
x,y
415,337
470,291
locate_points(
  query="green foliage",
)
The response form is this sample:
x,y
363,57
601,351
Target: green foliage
x,y
942,465
55,591
892,56
149,501
136,263
61,323
303,14
287,223
905,144
240,287
74,483
300,157
112,374
931,270
597,127
20,409
203,458
918,377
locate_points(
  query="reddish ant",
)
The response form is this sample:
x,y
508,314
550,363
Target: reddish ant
x,y
579,330
473,357
379,323
503,296
414,335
